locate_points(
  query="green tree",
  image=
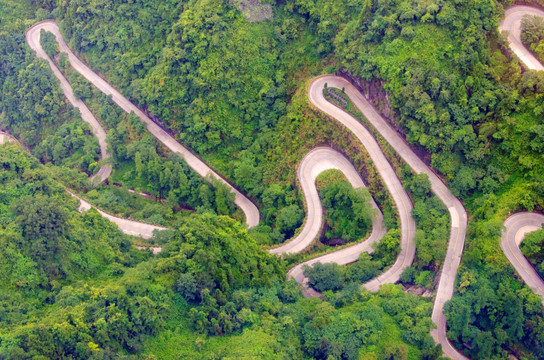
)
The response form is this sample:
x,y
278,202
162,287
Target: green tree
x,y
348,210
49,43
323,277
289,219
43,223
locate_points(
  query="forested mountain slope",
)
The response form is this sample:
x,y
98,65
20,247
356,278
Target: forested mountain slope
x,y
235,93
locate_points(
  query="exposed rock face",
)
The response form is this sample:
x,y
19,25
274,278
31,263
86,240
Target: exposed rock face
x,y
374,91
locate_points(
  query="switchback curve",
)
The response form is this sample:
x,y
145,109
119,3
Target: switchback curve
x,y
250,210
33,38
457,212
315,162
252,215
389,177
512,24
516,227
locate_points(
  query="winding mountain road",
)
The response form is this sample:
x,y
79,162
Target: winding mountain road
x,y
250,210
314,221
129,227
512,24
516,227
33,38
389,177
314,163
457,212
321,159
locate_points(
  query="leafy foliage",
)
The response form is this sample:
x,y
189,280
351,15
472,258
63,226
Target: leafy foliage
x,y
323,277
348,212
34,109
532,34
533,247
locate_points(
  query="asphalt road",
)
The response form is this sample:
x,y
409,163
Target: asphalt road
x,y
4,138
33,40
457,212
516,227
314,163
250,210
129,227
321,159
512,24
400,197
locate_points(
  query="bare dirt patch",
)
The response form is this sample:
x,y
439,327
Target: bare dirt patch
x,y
254,10
418,290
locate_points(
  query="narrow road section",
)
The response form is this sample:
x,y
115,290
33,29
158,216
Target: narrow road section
x,y
33,38
512,24
455,207
314,163
516,227
5,138
400,197
129,227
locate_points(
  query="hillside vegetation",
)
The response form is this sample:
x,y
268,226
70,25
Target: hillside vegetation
x,y
234,91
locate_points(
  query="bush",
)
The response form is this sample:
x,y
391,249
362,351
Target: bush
x,y
323,277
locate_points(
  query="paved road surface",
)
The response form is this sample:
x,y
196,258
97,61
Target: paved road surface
x,y
388,175
512,24
33,40
129,227
457,212
314,163
250,210
519,224
5,137
516,227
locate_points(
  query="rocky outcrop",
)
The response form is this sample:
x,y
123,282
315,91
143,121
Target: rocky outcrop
x,y
374,91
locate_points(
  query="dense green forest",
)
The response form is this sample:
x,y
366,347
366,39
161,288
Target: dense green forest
x,y
532,35
234,91
36,112
533,248
348,213
86,292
